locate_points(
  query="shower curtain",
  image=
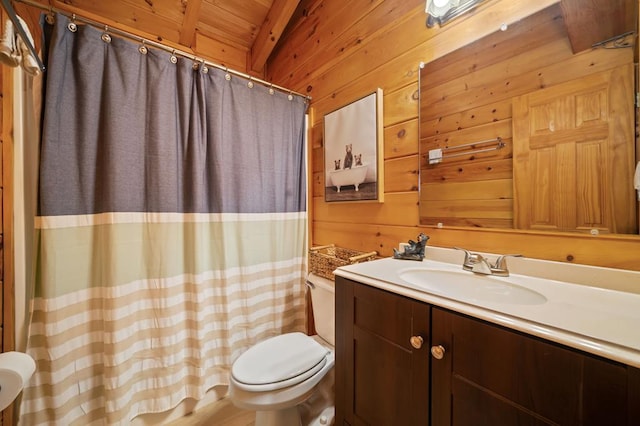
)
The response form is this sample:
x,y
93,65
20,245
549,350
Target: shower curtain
x,y
171,228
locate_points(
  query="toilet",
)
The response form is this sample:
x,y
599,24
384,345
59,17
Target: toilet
x,y
288,379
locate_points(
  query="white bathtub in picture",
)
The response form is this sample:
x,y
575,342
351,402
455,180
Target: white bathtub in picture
x,y
353,176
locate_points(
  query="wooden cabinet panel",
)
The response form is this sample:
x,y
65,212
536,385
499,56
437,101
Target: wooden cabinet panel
x,y
381,369
380,378
492,375
474,406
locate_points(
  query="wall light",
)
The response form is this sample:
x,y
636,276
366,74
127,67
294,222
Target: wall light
x,y
442,11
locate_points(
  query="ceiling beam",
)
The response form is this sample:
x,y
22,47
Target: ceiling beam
x,y
271,31
593,21
191,15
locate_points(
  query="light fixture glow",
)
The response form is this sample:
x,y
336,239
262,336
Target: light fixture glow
x,y
439,12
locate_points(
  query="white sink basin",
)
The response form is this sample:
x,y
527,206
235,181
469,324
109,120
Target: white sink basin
x,y
471,287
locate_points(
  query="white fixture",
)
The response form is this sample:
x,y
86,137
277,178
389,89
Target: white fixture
x,y
445,280
16,368
289,378
442,11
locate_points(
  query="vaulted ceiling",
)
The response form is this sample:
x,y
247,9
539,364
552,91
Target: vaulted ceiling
x,y
238,33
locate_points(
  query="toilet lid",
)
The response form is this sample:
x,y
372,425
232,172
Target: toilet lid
x,y
280,361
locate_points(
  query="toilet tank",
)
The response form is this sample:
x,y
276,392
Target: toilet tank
x,y
323,302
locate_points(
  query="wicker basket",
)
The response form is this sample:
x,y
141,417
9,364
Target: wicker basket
x,y
323,260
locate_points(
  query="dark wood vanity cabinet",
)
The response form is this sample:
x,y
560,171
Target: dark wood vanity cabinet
x,y
487,375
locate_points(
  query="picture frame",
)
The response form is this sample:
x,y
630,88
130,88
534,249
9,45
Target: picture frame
x,y
354,151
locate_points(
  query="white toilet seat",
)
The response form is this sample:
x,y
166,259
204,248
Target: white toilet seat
x,y
279,362
285,396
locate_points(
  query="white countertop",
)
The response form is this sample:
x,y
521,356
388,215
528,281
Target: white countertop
x,y
597,312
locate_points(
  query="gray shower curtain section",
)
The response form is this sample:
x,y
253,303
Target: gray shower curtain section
x,y
138,133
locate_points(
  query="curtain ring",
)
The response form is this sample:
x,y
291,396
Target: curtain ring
x,y
250,83
143,49
71,26
195,65
205,69
105,35
173,58
50,18
227,76
290,97
271,91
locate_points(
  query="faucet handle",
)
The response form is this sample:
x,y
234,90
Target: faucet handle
x,y
501,261
472,260
466,252
467,255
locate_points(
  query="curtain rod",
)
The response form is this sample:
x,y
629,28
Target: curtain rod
x,y
131,36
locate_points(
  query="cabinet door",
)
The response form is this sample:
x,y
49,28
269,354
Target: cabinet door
x,y
380,378
494,376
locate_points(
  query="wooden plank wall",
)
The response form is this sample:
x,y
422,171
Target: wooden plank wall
x,y
462,104
5,416
339,51
6,221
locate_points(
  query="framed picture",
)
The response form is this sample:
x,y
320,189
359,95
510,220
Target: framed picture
x,y
353,151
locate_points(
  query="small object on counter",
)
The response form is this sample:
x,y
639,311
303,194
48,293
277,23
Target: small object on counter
x,y
414,251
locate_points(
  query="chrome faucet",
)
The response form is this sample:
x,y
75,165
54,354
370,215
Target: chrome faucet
x,y
477,263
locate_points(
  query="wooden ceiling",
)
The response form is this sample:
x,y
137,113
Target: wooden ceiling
x,y
237,33
242,34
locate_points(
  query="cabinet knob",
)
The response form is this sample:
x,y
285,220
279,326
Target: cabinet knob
x,y
416,341
437,352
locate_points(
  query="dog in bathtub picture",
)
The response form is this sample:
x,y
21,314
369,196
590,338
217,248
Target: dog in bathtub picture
x,y
351,150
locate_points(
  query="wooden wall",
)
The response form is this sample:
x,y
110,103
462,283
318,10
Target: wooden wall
x,y
339,51
5,308
6,221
